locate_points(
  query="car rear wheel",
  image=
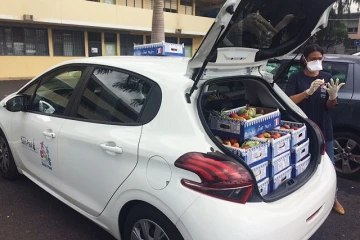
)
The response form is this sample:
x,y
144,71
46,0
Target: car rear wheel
x,y
347,154
8,167
146,222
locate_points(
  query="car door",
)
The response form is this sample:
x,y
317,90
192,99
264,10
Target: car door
x,y
34,132
98,146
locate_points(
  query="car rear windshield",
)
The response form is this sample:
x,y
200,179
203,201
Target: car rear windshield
x,y
266,24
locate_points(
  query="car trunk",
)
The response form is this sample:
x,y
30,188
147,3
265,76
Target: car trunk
x,y
255,91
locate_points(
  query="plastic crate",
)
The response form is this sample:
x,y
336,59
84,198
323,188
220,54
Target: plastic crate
x,y
297,136
252,155
264,187
280,178
299,152
279,163
301,166
261,170
159,49
279,145
247,128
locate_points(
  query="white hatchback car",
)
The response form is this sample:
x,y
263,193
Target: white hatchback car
x,y
125,140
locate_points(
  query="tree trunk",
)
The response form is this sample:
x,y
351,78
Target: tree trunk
x,y
157,32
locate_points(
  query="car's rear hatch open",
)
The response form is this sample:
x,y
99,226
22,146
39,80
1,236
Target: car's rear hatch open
x,y
245,34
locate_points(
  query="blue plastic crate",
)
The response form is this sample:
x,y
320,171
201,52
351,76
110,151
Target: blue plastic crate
x,y
299,152
297,136
264,186
160,49
301,166
280,178
279,145
279,163
247,128
260,170
253,155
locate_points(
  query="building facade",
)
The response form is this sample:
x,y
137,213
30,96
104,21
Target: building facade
x,y
37,34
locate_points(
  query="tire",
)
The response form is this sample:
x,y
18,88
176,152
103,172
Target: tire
x,y
152,217
347,154
8,169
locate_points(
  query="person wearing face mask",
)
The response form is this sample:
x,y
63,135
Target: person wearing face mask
x,y
315,92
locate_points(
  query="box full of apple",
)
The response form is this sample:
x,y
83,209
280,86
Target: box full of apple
x,y
244,122
280,141
253,152
297,130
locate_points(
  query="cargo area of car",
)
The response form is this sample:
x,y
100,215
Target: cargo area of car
x,y
248,121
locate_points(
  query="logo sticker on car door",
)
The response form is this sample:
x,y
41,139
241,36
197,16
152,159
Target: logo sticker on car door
x,y
30,145
45,156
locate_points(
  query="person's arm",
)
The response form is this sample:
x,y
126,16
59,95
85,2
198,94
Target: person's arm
x,y
331,103
292,91
298,98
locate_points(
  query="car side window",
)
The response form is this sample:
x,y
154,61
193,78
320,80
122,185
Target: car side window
x,y
29,92
55,90
337,70
113,96
293,69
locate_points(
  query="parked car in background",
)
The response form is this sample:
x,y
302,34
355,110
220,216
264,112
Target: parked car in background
x,y
346,115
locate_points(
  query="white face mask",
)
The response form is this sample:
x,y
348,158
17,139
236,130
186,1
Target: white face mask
x,y
314,66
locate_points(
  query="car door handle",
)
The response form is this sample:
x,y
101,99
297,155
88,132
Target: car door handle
x,y
111,147
49,133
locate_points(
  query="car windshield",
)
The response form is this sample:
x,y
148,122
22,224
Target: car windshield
x,y
266,24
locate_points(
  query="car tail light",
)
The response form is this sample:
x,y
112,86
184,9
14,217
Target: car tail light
x,y
220,178
323,138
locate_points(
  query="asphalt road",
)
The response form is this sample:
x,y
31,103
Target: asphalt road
x,y
28,212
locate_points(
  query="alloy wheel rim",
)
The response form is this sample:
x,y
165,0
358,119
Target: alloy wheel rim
x,y
346,155
145,229
4,156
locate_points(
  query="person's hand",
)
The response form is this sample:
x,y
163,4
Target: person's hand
x,y
333,88
314,86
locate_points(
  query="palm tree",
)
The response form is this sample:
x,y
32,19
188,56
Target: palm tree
x,y
157,33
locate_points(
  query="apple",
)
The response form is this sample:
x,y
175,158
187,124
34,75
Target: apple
x,y
261,136
227,142
236,145
295,128
267,135
233,141
234,115
282,128
286,126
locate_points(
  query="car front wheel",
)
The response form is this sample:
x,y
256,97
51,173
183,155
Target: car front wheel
x,y
347,154
8,167
146,222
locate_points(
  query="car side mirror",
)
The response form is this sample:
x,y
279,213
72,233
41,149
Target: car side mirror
x,y
15,104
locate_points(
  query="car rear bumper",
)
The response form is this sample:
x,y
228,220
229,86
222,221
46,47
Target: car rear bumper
x,y
295,217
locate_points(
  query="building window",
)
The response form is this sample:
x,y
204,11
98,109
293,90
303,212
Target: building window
x,y
186,7
68,43
353,30
132,3
19,41
127,42
110,44
171,6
